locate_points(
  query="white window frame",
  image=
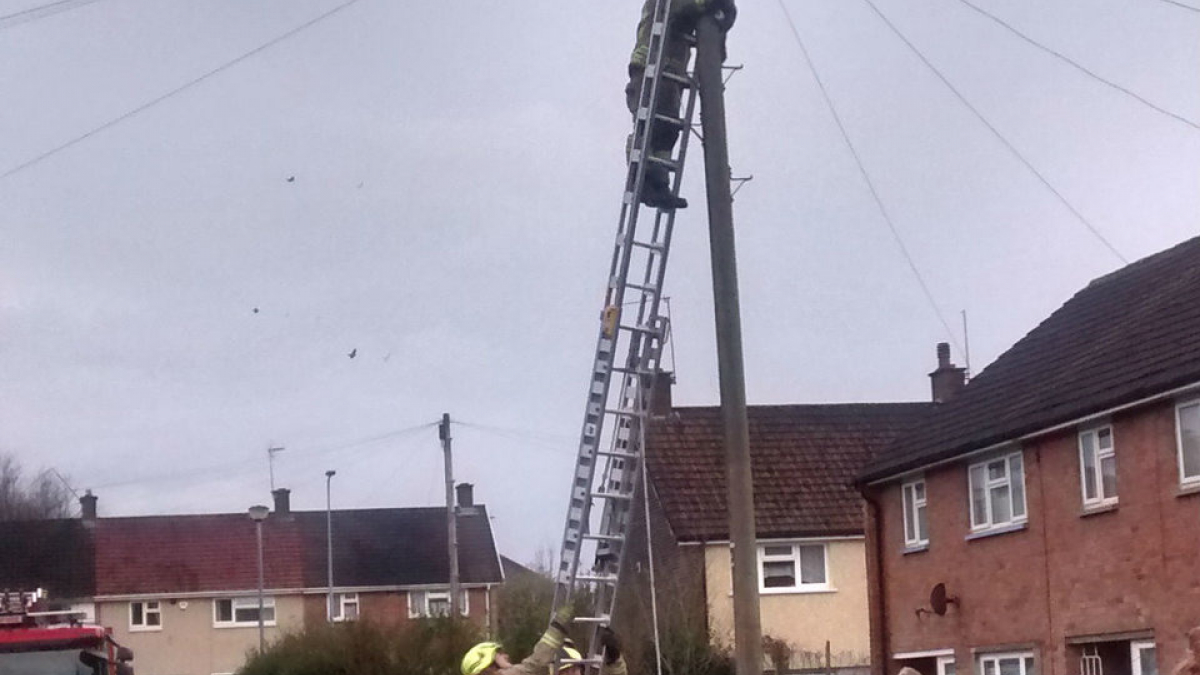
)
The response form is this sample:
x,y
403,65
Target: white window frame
x,y
943,662
243,603
1097,478
419,608
341,601
148,607
1184,479
1135,647
1023,658
1010,480
912,508
794,557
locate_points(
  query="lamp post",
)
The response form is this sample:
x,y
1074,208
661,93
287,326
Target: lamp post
x,y
329,542
258,514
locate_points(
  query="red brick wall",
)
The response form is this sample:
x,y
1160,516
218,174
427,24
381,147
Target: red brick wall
x,y
1134,568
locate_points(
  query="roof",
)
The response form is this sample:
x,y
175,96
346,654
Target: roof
x,y
804,460
145,555
390,547
1126,336
57,555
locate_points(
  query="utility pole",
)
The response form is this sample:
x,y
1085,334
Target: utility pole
x,y
329,542
451,519
747,625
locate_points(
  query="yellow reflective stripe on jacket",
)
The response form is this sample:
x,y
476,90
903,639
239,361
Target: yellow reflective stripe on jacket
x,y
542,657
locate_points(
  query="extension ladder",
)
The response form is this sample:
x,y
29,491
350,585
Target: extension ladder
x,y
614,416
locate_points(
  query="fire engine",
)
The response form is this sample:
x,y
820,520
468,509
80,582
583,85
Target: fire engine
x,y
36,642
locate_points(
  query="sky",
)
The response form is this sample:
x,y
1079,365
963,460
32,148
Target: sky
x,y
434,186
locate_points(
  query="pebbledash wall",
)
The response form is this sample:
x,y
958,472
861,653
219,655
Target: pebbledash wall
x,y
1069,579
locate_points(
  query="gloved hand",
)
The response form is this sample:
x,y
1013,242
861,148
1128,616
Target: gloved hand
x,y
725,14
611,645
563,617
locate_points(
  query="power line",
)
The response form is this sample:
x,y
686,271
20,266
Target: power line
x,y
40,12
1180,4
862,169
187,85
1081,68
998,135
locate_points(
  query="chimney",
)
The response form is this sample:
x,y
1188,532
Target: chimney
x,y
660,393
948,379
283,501
466,495
87,505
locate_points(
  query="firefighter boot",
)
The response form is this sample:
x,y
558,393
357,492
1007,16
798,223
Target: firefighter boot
x,y
656,191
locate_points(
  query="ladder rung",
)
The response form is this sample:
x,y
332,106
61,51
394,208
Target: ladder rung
x,y
604,494
675,121
596,579
618,454
670,164
603,620
604,537
641,288
623,413
644,330
653,246
593,661
681,79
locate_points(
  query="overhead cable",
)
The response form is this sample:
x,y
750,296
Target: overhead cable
x,y
1079,67
887,218
187,85
996,132
40,12
1182,5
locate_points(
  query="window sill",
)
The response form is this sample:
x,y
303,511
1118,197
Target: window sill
x,y
796,591
994,531
1188,489
254,624
1098,509
145,629
916,548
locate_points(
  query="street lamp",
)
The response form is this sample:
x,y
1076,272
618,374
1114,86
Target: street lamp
x,y
258,514
329,543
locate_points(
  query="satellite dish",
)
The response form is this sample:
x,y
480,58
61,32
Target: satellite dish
x,y
938,599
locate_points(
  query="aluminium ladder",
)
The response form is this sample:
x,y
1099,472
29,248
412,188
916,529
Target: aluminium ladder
x,y
614,416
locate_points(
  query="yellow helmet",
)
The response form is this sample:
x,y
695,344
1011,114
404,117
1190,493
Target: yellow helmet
x,y
565,652
479,657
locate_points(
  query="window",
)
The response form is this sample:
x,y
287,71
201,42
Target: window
x,y
916,528
1187,418
1142,654
435,603
792,567
145,615
345,607
997,494
945,666
1098,467
1007,664
242,612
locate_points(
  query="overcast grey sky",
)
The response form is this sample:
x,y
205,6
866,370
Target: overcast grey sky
x,y
458,168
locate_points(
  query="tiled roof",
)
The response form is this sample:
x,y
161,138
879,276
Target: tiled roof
x,y
194,553
389,547
56,555
1128,335
804,460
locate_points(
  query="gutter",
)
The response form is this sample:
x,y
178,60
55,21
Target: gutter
x,y
890,474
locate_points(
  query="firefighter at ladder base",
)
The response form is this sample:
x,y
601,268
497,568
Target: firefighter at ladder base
x,y
681,22
489,658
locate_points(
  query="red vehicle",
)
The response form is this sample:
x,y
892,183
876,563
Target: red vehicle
x,y
53,643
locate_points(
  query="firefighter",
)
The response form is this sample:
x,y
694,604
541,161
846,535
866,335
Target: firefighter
x,y
489,658
681,21
614,663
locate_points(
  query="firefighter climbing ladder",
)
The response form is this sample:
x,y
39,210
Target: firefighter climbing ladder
x,y
617,446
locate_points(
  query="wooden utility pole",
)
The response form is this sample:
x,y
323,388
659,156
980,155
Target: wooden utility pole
x,y
747,626
451,518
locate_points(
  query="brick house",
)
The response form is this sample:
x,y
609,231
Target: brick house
x,y
182,590
811,554
1056,497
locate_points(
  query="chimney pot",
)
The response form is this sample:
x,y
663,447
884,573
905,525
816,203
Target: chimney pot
x,y
948,379
87,505
283,501
660,393
466,494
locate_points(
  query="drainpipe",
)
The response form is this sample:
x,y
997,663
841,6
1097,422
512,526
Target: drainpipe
x,y
878,618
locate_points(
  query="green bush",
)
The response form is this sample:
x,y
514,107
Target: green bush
x,y
424,647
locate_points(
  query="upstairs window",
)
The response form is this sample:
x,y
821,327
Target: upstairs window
x,y
424,604
1020,663
997,493
792,567
345,607
145,615
231,612
1098,467
1187,426
916,526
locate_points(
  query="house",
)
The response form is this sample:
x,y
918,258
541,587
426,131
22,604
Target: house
x,y
1045,520
182,590
811,551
